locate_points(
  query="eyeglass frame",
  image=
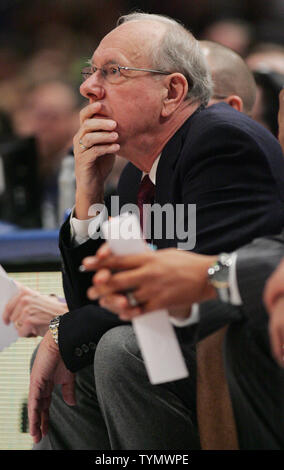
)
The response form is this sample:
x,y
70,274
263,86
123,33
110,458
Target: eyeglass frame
x,y
120,67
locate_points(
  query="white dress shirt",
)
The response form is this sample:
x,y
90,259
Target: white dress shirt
x,y
80,228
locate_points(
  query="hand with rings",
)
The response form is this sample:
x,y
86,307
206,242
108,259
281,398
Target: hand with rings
x,y
82,145
95,147
131,299
31,312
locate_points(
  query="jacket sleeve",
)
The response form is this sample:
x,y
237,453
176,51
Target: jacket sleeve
x,y
213,315
77,350
81,328
255,263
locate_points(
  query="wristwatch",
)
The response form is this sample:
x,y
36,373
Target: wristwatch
x,y
53,327
218,275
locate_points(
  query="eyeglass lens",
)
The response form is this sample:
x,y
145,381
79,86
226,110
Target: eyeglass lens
x,y
110,72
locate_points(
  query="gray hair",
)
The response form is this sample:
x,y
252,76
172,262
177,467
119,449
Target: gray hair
x,y
178,51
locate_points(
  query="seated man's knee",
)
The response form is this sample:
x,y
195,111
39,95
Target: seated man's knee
x,y
115,352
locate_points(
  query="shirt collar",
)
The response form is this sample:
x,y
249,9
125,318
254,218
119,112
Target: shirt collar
x,y
152,173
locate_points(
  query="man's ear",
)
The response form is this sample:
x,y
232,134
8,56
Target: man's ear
x,y
176,88
236,102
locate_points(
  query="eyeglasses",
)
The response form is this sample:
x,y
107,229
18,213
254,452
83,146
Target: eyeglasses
x,y
112,72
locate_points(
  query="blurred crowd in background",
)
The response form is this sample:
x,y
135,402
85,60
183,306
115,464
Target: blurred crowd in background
x,y
45,43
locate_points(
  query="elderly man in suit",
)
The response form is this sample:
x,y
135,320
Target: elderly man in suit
x,y
147,89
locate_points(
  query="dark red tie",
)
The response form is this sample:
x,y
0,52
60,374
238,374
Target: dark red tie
x,y
145,195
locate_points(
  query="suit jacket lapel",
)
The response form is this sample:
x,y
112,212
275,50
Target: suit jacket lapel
x,y
168,160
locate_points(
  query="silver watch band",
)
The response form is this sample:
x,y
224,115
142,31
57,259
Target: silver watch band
x,y
218,275
53,327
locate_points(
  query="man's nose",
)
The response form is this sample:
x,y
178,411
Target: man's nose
x,y
92,88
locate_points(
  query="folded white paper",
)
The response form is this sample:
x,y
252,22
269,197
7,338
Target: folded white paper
x,y
8,288
155,334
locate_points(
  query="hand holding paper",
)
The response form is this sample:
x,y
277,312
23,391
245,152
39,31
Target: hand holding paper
x,y
8,289
159,346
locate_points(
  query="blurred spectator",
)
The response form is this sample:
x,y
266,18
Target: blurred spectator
x,y
281,119
233,82
234,33
49,112
266,56
267,63
48,64
12,91
6,129
10,61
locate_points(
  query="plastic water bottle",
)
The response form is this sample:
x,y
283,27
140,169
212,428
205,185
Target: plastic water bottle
x,y
66,186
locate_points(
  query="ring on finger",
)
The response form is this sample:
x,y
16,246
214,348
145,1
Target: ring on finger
x,y
18,324
82,145
131,299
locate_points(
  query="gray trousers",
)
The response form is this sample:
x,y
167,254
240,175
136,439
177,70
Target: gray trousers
x,y
118,408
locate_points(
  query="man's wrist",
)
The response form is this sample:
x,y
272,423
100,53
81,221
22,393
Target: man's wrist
x,y
192,317
218,276
51,344
209,291
83,204
180,313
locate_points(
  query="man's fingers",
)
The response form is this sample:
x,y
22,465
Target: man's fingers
x,y
277,346
97,124
118,263
97,138
91,112
97,151
103,251
269,293
68,393
276,331
23,306
103,276
35,432
114,302
10,306
274,287
88,111
91,261
119,304
34,421
39,418
105,259
281,99
130,314
26,331
44,422
106,284
101,279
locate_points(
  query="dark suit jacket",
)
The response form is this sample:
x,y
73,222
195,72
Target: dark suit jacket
x,y
222,161
255,380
